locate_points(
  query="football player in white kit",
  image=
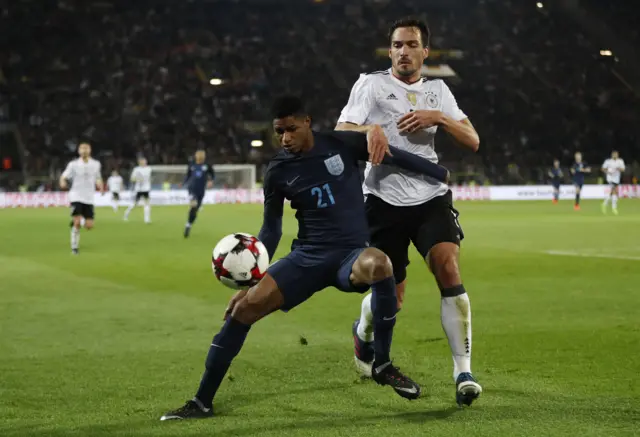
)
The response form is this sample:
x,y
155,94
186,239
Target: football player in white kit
x,y
613,168
141,176
114,184
399,107
85,177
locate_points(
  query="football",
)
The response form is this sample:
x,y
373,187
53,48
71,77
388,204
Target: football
x,y
239,261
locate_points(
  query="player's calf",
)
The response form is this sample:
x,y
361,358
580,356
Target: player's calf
x,y
455,313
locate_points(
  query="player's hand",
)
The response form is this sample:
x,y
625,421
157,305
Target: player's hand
x,y
377,145
63,184
232,303
417,120
210,184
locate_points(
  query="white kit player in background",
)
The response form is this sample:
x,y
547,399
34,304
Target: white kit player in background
x,y
401,108
141,177
114,184
613,168
85,176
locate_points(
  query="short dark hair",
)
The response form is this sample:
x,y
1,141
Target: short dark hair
x,y
411,22
288,105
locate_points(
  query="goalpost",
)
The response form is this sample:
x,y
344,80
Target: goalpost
x,y
226,175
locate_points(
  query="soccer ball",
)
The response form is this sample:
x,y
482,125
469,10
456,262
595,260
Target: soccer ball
x,y
239,261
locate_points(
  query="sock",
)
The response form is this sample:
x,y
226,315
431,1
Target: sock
x,y
577,198
606,201
147,213
384,305
614,201
455,313
115,205
126,213
224,348
193,213
75,237
556,195
365,326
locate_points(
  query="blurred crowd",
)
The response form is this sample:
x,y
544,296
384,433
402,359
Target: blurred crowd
x,y
136,78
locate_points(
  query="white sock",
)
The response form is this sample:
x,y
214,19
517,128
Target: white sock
x,y
147,213
115,205
365,327
75,237
126,213
455,313
614,201
606,201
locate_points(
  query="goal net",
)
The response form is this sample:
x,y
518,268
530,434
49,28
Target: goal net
x,y
226,175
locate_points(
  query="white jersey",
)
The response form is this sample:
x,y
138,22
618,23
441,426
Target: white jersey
x,y
83,176
142,177
614,168
115,183
380,98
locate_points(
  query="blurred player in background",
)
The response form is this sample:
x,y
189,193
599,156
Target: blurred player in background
x,y
141,177
578,170
613,168
555,174
114,184
85,177
399,107
200,176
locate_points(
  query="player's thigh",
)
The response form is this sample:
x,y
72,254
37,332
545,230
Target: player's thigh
x,y
438,224
260,301
614,189
389,227
299,275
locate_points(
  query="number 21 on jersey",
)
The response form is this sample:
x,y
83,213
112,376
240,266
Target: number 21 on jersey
x,y
325,197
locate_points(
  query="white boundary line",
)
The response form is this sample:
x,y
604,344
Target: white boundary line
x,y
590,255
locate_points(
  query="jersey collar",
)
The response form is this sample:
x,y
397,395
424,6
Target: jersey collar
x,y
414,86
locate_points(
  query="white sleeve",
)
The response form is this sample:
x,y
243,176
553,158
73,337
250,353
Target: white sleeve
x,y
605,164
361,102
134,175
99,172
68,172
450,105
622,166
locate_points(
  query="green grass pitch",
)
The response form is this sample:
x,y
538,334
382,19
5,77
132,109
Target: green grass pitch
x,y
104,343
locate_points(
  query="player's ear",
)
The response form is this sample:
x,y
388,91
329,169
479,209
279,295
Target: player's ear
x,y
307,120
426,52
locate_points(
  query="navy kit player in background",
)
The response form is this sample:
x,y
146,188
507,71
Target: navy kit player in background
x,y
555,174
319,173
199,177
578,170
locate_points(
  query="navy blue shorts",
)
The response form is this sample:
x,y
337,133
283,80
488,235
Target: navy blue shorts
x,y
198,197
578,184
307,270
556,185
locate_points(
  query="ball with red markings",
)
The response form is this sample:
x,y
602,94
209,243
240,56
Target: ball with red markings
x,y
239,261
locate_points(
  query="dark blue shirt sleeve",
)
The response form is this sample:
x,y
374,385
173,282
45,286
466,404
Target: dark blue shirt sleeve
x,y
271,230
357,142
188,176
211,172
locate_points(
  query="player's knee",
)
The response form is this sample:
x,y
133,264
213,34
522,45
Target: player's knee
x,y
88,225
444,265
376,266
245,312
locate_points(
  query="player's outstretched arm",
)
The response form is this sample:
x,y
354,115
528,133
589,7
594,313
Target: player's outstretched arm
x,y
411,162
271,230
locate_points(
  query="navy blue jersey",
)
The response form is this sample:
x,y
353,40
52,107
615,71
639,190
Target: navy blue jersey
x,y
324,187
198,176
556,175
578,172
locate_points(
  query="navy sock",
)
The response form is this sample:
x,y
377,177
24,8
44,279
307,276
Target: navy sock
x,y
193,212
224,348
578,199
384,306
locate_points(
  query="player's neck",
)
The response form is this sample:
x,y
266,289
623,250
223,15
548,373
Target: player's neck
x,y
85,158
409,80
